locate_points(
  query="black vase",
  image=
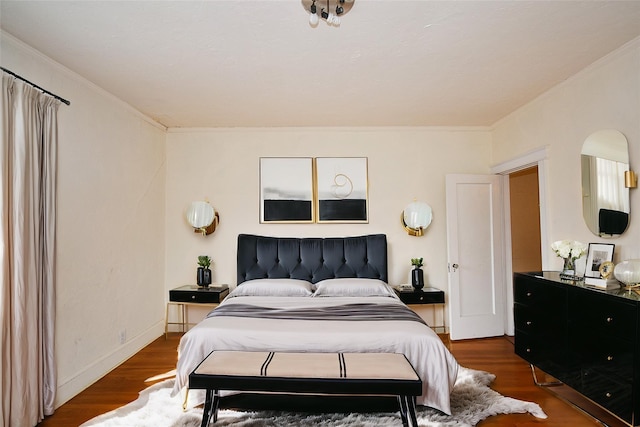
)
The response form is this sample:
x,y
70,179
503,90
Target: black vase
x,y
417,278
204,276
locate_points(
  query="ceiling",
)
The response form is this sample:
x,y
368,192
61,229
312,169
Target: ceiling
x,y
258,63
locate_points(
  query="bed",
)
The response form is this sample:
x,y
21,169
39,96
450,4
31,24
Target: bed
x,y
319,295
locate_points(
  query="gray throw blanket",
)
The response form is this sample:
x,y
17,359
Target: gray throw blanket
x,y
359,311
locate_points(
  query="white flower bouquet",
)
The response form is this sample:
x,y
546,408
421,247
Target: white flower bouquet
x,y
571,249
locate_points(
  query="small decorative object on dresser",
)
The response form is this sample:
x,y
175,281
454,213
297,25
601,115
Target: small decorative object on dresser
x,y
204,273
599,268
628,272
417,275
598,254
569,251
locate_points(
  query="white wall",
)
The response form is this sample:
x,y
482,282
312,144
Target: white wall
x,y
605,95
110,232
223,166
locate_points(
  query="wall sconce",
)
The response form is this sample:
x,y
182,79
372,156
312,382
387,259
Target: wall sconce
x,y
202,217
630,179
416,217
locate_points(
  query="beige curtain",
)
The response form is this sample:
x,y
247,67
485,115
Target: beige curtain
x,y
27,252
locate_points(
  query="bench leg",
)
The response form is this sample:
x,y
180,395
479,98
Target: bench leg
x,y
210,407
216,405
411,405
403,410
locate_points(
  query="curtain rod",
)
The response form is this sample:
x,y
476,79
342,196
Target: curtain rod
x,y
36,86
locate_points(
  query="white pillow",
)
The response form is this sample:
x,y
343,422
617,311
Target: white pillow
x,y
273,288
352,287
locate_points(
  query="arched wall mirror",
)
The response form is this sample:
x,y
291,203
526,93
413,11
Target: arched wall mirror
x,y
605,198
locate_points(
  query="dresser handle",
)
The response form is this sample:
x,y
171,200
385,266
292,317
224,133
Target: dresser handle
x,y
529,322
609,319
529,294
193,297
609,358
528,350
607,394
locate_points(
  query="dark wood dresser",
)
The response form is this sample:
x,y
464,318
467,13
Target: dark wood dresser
x,y
587,338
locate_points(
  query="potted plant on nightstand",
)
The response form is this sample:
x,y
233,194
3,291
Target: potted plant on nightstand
x,y
204,273
417,275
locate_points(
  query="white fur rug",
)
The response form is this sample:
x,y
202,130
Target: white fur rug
x,y
471,402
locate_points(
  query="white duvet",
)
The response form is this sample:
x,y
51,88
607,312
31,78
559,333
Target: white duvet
x,y
433,362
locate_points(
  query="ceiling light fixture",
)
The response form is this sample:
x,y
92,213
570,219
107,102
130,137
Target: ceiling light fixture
x,y
331,13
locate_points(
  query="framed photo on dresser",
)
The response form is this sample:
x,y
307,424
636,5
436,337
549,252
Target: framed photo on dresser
x,y
597,254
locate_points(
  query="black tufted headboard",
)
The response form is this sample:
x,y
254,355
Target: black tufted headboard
x,y
312,259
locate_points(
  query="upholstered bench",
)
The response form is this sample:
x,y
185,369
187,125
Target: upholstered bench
x,y
317,373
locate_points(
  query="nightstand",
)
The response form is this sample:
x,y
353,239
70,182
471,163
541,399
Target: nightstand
x,y
191,295
415,299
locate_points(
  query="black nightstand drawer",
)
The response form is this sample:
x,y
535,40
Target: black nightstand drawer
x,y
423,296
191,293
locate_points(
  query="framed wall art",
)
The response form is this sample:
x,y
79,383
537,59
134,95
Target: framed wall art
x,y
341,189
286,189
597,254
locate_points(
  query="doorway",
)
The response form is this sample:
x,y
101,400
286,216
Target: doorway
x,y
524,207
529,204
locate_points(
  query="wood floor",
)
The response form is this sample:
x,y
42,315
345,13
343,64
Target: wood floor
x,y
513,378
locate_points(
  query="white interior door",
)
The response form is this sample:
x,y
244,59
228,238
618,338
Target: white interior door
x,y
476,256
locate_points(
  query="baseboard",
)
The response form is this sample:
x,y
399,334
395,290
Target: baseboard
x,y
71,386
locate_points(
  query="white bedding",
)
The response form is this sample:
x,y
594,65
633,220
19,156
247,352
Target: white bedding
x,y
433,362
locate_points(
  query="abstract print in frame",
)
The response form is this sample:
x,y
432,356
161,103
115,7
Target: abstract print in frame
x,y
341,189
286,189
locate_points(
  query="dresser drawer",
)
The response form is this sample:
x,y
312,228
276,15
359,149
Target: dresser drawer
x,y
607,355
590,311
540,296
528,347
548,356
616,396
536,322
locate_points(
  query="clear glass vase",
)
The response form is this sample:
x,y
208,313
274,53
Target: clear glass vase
x,y
569,267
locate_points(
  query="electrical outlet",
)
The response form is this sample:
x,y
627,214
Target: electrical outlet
x,y
122,336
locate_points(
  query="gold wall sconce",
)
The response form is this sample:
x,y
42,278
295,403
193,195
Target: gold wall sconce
x,y
203,218
416,217
630,179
